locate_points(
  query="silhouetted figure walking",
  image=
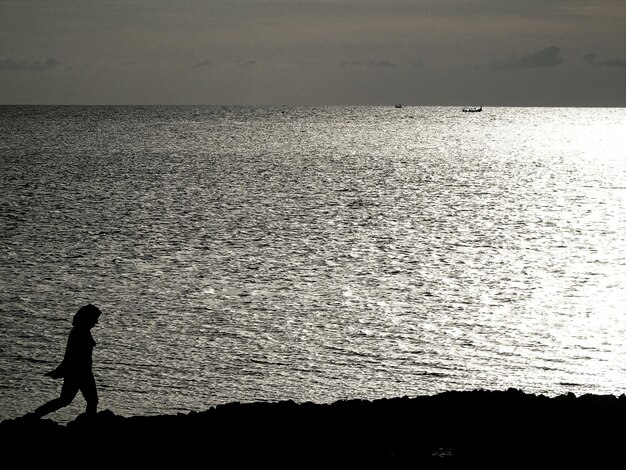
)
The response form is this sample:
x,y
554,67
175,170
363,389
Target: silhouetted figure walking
x,y
75,368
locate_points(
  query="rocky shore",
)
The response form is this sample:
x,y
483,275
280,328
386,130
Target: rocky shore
x,y
449,430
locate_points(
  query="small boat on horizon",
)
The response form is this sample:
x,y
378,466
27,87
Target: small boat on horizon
x,y
472,109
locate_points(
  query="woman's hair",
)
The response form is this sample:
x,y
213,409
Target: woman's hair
x,y
86,315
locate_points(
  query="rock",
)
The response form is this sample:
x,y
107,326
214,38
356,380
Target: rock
x,y
450,429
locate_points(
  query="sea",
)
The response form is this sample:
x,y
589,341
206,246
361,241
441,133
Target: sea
x,y
311,253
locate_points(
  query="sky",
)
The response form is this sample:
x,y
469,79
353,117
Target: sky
x,y
314,52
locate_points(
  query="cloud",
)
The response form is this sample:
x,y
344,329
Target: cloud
x,y
380,63
370,63
351,63
592,57
204,63
548,57
613,63
305,63
30,66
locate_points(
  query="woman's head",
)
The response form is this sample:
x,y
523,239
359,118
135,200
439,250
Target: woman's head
x,y
87,316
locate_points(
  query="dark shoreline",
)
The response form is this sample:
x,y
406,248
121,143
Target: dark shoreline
x,y
452,429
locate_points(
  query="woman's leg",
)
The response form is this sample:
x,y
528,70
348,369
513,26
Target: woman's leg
x,y
88,388
68,392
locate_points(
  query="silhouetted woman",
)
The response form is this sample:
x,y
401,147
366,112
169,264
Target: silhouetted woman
x,y
75,368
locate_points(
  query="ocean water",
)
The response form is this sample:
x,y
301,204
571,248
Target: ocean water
x,y
312,253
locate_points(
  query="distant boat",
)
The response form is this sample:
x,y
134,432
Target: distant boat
x,y
472,109
398,105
